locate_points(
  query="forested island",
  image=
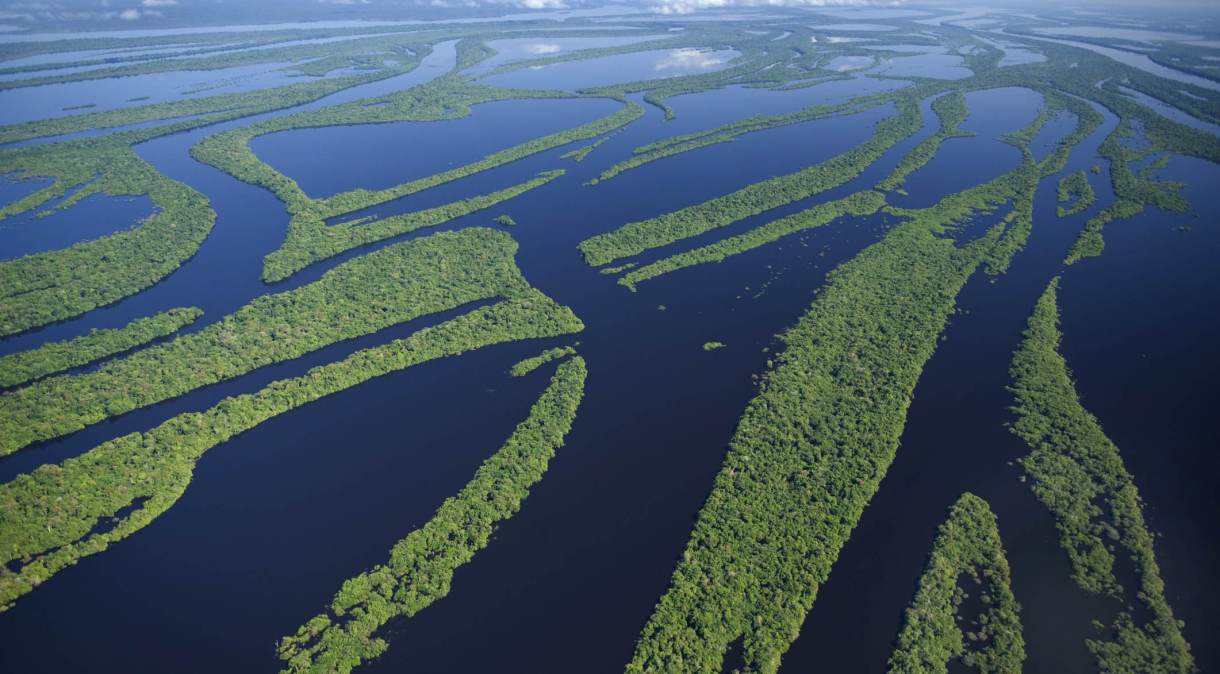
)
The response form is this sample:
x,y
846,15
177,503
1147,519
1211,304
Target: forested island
x,y
663,337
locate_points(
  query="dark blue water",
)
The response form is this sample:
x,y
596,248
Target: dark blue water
x,y
328,160
278,517
955,441
1139,330
962,163
93,216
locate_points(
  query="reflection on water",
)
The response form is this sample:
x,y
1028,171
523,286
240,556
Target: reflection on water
x,y
854,26
938,66
516,49
1138,35
56,100
847,63
1140,61
615,69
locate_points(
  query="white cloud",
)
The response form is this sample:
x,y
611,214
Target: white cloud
x,y
159,3
688,59
541,4
540,48
129,14
688,6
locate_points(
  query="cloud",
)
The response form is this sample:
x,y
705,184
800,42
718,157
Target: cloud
x,y
129,14
688,6
541,4
688,59
159,3
540,48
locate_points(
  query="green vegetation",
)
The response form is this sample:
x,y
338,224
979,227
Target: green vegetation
x,y
1079,475
310,239
967,545
812,447
360,297
421,566
580,153
55,285
712,346
637,237
53,357
312,58
669,147
307,244
1019,187
50,518
951,110
1133,193
1075,186
533,363
618,269
505,220
858,204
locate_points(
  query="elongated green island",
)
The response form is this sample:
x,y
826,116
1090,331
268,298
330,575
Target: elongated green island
x,y
967,546
49,518
1079,475
811,448
370,293
19,368
420,568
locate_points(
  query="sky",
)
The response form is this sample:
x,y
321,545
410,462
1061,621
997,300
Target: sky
x,y
133,13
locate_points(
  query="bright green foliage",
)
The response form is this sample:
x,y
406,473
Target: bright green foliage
x,y
505,220
858,204
310,239
637,237
1133,193
367,294
48,517
967,545
348,202
1019,187
307,244
811,449
19,368
421,566
951,110
1079,475
669,147
533,363
712,346
580,153
55,285
1090,242
1075,186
